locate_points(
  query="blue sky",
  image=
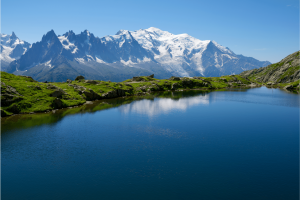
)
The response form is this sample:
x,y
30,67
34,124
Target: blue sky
x,y
263,29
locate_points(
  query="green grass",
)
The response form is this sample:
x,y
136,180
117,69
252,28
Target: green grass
x,y
40,100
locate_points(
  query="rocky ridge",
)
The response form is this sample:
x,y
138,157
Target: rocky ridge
x,y
285,73
125,54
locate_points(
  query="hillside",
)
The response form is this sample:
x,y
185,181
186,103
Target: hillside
x,y
285,73
21,94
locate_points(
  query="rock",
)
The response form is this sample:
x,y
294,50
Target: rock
x,y
91,82
187,83
29,77
57,93
175,86
45,82
91,95
137,78
69,81
51,87
173,78
252,85
78,78
223,79
57,103
151,76
3,114
289,87
38,87
3,84
14,109
127,84
110,94
115,93
142,88
8,99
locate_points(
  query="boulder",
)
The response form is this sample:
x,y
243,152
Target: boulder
x,y
91,82
57,103
29,77
173,78
289,87
187,83
8,99
14,109
115,93
175,86
69,81
78,78
127,84
57,93
3,114
38,87
137,78
51,87
91,95
110,94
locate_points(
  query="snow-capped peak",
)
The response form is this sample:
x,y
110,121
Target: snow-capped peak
x,y
223,49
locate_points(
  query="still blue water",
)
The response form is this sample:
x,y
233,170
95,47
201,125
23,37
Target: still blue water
x,y
236,145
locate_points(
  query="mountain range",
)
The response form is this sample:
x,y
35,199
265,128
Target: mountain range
x,y
120,56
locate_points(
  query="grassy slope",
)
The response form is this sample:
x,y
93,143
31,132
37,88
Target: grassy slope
x,y
292,62
36,96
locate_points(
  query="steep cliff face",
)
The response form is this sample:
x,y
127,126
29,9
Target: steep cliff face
x,y
285,71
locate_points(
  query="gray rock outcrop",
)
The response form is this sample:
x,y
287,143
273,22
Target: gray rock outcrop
x,y
79,78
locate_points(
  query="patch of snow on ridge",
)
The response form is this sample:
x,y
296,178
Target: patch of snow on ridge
x,y
64,40
128,63
145,59
81,60
48,64
5,54
98,60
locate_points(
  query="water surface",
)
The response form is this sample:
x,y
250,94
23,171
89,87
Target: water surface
x,y
239,144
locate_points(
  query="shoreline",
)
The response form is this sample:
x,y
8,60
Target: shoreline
x,y
23,95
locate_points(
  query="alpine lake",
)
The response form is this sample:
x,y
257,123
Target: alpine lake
x,y
240,144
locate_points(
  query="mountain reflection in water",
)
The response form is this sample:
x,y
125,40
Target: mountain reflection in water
x,y
162,105
237,145
156,103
